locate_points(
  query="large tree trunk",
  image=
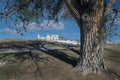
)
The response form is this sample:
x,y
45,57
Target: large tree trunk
x,y
92,37
89,15
91,50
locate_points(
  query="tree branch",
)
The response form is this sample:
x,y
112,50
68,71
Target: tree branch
x,y
73,11
109,6
13,9
9,11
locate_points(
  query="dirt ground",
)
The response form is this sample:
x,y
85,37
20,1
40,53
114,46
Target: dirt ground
x,y
57,64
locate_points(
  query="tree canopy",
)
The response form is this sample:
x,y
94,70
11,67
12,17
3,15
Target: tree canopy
x,y
27,11
31,10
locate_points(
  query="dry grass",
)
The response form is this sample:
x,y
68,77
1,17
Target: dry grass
x,y
59,65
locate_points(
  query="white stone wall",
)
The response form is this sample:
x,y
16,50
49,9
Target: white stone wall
x,y
52,37
56,38
39,36
48,37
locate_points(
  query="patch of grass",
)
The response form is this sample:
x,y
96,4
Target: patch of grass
x,y
8,72
112,53
7,58
52,66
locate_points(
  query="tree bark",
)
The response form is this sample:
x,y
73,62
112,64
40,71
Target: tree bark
x,y
92,37
91,51
90,19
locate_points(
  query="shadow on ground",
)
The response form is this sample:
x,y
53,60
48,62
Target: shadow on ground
x,y
20,58
55,65
59,55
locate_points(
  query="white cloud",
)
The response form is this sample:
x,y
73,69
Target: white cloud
x,y
32,27
8,30
52,25
45,25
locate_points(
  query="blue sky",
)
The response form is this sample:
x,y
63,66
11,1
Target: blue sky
x,y
64,28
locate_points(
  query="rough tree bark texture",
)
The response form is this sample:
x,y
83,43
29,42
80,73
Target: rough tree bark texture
x,y
89,16
92,35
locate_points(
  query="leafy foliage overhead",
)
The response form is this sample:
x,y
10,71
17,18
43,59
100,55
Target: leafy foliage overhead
x,y
27,11
31,10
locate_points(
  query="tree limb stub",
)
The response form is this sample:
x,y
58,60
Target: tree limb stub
x,y
72,10
109,6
